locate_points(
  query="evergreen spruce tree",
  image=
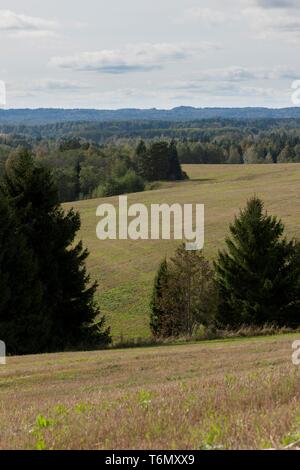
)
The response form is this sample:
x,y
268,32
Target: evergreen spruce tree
x,y
68,296
174,172
142,160
258,275
77,180
23,323
158,161
157,310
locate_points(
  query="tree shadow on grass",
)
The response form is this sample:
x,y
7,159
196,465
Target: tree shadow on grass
x,y
201,180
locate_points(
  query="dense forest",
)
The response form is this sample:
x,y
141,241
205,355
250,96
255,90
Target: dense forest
x,y
95,159
180,113
82,170
103,130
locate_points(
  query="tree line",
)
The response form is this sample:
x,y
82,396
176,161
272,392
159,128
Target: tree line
x,y
83,170
241,124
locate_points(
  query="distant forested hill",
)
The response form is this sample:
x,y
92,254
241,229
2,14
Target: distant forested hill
x,y
182,113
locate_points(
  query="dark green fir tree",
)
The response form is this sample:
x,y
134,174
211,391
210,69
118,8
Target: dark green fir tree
x,y
23,322
258,274
157,314
67,293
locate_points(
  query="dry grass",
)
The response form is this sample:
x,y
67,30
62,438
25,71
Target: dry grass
x,y
126,269
232,394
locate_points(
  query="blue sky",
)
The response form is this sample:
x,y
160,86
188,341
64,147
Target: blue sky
x,y
135,53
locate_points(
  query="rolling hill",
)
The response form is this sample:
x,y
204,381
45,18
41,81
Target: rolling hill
x,y
181,113
125,269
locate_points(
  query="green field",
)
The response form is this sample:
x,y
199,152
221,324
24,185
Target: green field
x,y
125,269
240,394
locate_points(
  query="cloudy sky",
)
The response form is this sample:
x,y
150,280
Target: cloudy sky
x,y
135,53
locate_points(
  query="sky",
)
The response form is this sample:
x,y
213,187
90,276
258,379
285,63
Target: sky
x,y
139,54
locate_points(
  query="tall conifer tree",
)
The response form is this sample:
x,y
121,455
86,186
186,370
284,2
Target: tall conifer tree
x,y
23,323
67,294
259,273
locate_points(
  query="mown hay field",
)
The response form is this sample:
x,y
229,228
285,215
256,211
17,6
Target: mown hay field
x,y
125,269
233,394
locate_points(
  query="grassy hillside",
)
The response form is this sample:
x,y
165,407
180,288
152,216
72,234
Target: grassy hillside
x,y
227,394
125,269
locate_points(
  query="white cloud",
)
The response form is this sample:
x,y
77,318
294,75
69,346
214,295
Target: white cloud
x,y
132,58
244,74
274,19
205,16
46,86
51,85
231,74
223,89
277,3
285,73
242,86
246,69
20,25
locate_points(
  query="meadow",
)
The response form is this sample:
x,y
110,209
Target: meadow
x,y
241,393
125,269
237,394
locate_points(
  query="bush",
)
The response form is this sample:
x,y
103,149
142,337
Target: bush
x,y
129,183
